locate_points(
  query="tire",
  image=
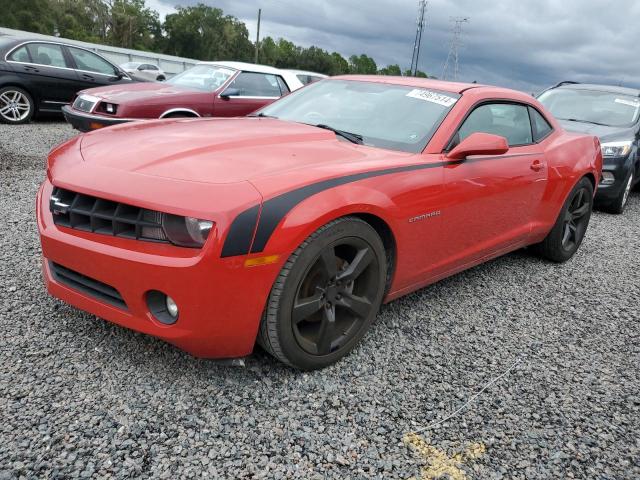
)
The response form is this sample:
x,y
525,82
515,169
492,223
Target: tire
x,y
567,234
16,106
160,78
620,203
326,296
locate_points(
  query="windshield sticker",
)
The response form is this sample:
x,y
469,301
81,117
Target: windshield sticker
x,y
631,103
433,97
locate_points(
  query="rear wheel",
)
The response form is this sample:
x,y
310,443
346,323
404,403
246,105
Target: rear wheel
x,y
568,232
16,105
326,296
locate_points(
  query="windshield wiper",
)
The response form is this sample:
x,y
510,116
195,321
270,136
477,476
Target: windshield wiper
x,y
261,115
583,121
352,137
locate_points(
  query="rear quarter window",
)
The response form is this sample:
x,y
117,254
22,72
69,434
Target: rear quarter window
x,y
541,127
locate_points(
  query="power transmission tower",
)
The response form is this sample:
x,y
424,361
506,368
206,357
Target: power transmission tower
x,y
422,7
456,42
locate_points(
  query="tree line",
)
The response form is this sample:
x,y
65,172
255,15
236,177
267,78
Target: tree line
x,y
200,32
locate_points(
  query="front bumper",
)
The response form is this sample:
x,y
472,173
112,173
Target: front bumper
x,y
221,301
619,167
86,122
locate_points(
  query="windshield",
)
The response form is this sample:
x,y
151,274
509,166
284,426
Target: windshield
x,y
203,77
589,106
389,116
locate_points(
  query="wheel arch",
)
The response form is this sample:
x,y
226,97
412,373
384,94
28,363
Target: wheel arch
x,y
172,111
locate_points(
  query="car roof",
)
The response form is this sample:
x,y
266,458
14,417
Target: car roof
x,y
306,72
445,86
601,88
248,67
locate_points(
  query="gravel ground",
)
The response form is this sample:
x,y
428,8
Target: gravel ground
x,y
82,398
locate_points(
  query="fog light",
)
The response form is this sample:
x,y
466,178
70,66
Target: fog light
x,y
607,178
172,308
162,307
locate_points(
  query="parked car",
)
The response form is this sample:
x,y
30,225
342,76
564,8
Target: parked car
x,y
209,89
144,71
613,114
295,224
307,77
38,76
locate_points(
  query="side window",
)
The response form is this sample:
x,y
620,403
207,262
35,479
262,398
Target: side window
x,y
284,89
47,54
256,85
505,119
541,127
91,62
21,55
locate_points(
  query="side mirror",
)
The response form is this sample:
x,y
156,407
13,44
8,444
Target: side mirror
x,y
230,92
479,144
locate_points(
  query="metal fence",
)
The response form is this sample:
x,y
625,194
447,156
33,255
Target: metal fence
x,y
170,64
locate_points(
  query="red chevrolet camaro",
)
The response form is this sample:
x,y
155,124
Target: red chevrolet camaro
x,y
291,227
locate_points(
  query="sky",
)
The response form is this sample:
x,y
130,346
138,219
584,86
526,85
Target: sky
x,y
522,44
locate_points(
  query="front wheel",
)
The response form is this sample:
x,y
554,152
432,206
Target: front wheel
x,y
620,203
326,296
16,105
567,234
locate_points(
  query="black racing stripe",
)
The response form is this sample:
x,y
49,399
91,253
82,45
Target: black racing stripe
x,y
273,211
276,208
241,232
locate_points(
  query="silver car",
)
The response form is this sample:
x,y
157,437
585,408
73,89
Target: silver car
x,y
144,71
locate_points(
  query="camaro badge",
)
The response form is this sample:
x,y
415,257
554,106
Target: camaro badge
x,y
425,216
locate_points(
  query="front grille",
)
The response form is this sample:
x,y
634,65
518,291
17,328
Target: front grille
x,y
96,215
93,288
83,104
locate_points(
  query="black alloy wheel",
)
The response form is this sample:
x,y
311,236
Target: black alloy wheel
x,y
576,219
327,295
567,234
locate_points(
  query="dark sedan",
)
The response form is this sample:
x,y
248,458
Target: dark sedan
x,y
38,76
613,114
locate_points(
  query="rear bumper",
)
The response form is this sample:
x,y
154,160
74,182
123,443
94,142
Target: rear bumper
x,y
86,122
220,301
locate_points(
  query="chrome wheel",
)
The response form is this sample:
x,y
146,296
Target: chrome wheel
x,y
15,106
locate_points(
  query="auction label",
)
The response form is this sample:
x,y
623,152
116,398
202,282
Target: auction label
x,y
433,97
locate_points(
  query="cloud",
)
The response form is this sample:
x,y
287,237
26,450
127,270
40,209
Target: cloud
x,y
525,44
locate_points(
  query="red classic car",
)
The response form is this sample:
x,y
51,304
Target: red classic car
x,y
292,226
209,89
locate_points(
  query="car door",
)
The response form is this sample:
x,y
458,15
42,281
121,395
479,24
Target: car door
x,y
250,91
46,71
491,201
92,70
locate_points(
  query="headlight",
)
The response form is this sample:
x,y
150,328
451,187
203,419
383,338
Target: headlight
x,y
186,231
616,149
106,107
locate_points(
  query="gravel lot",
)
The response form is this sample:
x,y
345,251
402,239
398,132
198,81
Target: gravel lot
x,y
82,398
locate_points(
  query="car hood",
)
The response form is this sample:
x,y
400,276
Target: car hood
x,y
603,132
142,92
226,150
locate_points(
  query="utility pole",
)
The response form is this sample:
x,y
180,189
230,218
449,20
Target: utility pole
x,y
422,7
258,36
456,42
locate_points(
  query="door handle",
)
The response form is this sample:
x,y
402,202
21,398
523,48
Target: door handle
x,y
88,77
536,166
31,69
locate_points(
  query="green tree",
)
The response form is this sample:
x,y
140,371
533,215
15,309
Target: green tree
x,y
390,70
205,33
31,15
363,65
339,65
132,25
419,73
